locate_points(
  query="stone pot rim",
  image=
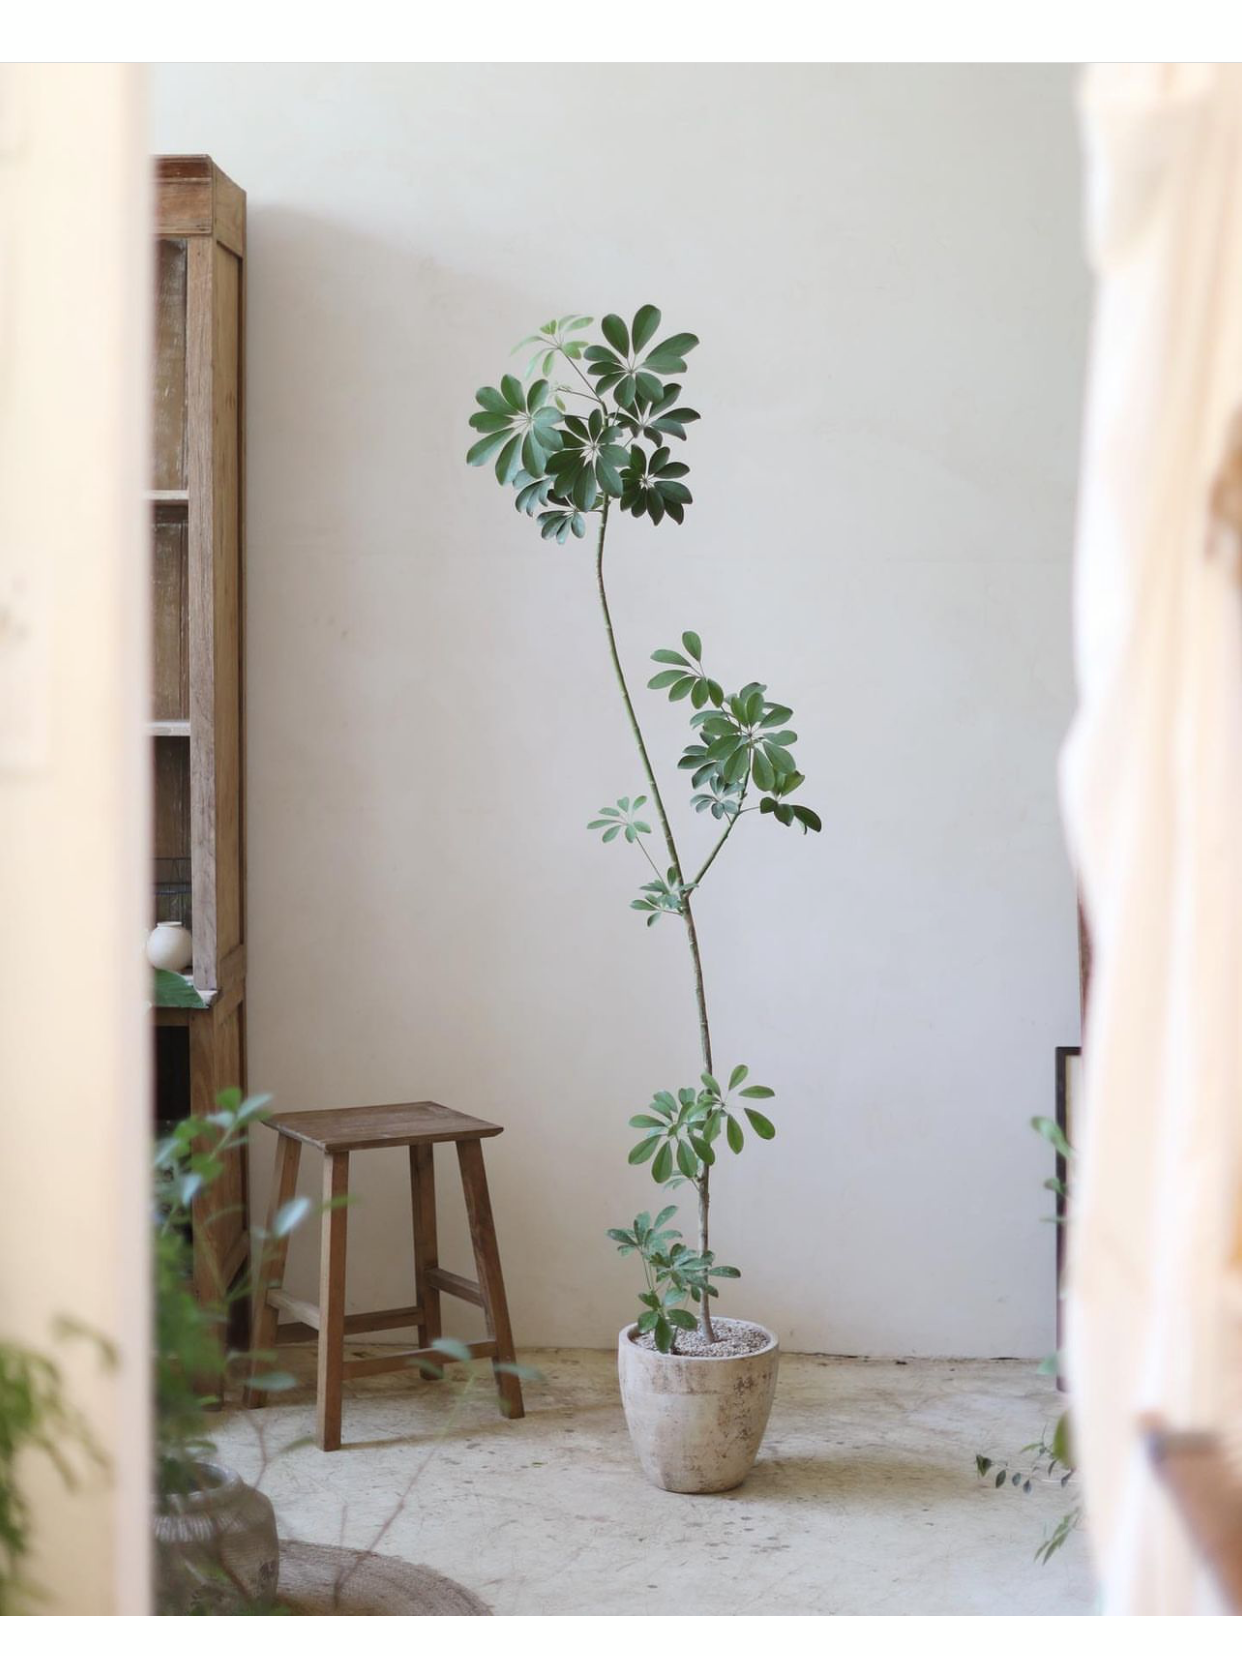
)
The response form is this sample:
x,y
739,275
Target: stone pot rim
x,y
629,1336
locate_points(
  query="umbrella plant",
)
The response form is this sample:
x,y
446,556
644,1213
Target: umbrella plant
x,y
589,428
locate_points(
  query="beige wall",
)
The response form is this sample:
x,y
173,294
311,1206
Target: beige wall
x,y
73,792
883,266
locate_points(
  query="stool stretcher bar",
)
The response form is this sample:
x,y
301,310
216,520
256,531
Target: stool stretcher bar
x,y
427,1355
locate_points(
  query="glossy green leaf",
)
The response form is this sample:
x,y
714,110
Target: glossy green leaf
x,y
668,357
509,460
481,452
616,333
761,766
646,321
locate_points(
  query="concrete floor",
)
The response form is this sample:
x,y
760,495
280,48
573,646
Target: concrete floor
x,y
864,1500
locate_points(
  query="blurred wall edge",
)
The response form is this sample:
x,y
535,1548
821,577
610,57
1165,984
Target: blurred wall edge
x,y
74,1103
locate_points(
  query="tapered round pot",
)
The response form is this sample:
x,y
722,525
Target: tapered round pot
x,y
696,1423
215,1547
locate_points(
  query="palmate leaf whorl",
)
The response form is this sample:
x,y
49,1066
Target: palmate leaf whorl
x,y
574,439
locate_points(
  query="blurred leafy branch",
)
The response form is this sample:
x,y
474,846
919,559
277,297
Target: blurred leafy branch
x,y
37,1416
1051,1456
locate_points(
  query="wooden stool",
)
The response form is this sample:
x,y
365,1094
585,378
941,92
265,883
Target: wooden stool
x,y
335,1133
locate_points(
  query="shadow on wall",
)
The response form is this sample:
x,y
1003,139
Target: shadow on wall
x,y
379,863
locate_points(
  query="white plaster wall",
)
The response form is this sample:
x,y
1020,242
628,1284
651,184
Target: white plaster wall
x,y
883,267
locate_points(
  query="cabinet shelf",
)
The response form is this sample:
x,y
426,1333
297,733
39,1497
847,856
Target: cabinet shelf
x,y
167,497
169,727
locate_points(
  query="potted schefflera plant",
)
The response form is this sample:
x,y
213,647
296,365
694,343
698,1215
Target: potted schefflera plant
x,y
590,429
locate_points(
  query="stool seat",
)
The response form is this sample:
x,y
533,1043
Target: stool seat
x,y
336,1134
381,1126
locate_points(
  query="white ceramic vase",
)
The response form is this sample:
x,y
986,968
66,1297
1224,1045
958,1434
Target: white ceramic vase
x,y
215,1546
696,1423
170,946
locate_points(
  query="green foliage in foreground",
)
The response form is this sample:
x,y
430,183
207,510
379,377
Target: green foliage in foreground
x,y
1051,1457
35,1415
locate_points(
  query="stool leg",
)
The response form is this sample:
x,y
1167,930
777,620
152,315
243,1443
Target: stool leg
x,y
332,1301
487,1264
426,1247
268,1265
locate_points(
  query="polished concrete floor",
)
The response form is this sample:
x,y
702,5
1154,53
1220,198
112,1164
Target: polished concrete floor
x,y
864,1500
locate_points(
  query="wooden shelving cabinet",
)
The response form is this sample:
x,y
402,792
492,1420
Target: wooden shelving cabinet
x,y
196,727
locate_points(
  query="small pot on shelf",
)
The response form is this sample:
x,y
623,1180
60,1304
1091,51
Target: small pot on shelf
x,y
696,1422
170,946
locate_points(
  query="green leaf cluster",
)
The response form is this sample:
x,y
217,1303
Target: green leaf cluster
x,y
665,895
566,465
519,428
589,460
651,485
621,818
1049,1460
35,1415
654,420
723,799
675,1273
554,336
621,368
192,1359
740,741
679,1133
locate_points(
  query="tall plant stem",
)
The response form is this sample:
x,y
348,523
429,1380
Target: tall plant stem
x,y
702,1183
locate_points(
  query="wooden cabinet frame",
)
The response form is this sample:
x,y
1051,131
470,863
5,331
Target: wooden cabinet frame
x,y
199,442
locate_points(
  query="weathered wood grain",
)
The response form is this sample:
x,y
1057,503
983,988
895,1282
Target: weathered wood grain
x,y
168,409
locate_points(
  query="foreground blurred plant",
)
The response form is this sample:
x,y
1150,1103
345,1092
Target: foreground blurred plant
x,y
34,1415
1052,1454
193,1362
569,465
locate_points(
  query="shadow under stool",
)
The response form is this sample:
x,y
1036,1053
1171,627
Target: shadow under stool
x,y
335,1134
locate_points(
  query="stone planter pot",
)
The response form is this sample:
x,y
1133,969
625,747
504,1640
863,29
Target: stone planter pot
x,y
215,1545
696,1423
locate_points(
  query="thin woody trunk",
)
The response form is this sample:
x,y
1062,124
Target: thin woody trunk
x,y
702,1183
